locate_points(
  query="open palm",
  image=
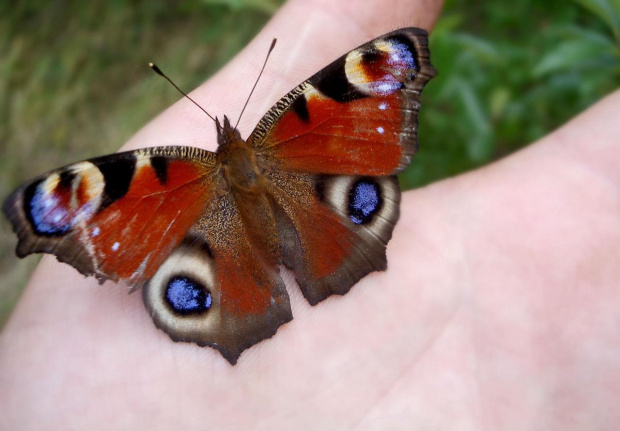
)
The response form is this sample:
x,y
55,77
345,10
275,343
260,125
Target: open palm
x,y
499,309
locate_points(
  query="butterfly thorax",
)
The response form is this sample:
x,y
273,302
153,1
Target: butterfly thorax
x,y
248,187
238,160
240,168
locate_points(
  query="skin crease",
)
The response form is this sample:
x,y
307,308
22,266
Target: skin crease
x,y
499,309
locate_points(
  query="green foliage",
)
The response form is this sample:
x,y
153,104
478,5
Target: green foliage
x,y
74,82
508,75
607,10
266,6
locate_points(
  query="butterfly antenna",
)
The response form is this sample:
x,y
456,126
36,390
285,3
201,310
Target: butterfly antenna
x,y
273,44
160,73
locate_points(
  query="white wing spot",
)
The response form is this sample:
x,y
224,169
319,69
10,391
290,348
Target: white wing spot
x,y
383,106
116,246
380,129
96,231
385,87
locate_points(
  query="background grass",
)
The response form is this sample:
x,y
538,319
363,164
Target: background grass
x,y
73,81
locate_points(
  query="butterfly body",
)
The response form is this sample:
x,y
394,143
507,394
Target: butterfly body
x,y
243,178
312,188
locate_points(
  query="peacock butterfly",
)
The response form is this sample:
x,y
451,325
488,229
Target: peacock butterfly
x,y
312,188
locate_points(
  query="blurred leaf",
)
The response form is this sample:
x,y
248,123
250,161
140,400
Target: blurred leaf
x,y
500,97
266,6
447,23
478,143
483,50
607,10
578,53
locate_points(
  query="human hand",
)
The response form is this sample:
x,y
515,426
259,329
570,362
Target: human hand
x,y
498,309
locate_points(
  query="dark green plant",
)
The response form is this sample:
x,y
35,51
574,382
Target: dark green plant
x,y
509,74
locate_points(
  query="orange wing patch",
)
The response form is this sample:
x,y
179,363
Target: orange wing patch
x,y
132,236
360,137
115,217
358,116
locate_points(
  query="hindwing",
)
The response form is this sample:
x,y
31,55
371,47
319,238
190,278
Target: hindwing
x,y
215,289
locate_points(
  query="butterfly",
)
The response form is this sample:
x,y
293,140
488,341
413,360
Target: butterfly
x,y
203,233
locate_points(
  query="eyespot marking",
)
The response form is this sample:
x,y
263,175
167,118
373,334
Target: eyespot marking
x,y
66,179
364,201
383,68
403,51
47,207
187,296
55,204
380,130
182,290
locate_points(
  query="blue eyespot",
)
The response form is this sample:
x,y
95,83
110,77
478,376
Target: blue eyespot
x,y
400,55
46,212
364,201
187,296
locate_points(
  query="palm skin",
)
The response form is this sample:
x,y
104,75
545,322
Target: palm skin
x,y
499,309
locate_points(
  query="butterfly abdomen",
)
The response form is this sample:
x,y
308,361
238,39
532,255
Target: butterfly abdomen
x,y
244,180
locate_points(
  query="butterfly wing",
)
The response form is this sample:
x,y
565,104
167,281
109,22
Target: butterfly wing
x,y
164,218
334,228
158,218
115,217
357,116
331,148
216,289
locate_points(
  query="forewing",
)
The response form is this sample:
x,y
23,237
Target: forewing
x,y
357,116
115,217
